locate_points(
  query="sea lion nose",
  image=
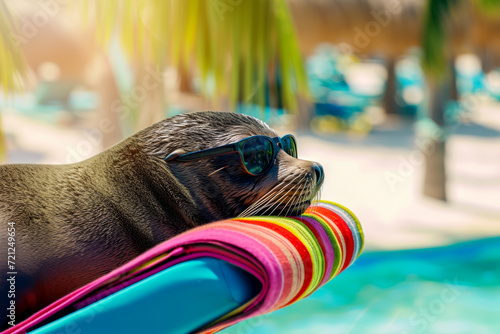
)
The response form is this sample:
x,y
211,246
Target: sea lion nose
x,y
318,170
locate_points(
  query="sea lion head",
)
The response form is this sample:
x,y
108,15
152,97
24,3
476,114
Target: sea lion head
x,y
219,185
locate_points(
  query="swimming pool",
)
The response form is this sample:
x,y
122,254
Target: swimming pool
x,y
452,289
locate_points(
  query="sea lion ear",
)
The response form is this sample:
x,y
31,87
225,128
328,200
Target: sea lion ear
x,y
175,154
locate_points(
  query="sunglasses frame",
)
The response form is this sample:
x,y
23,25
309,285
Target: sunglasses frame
x,y
236,147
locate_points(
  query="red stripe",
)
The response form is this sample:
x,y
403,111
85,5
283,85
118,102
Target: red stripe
x,y
344,228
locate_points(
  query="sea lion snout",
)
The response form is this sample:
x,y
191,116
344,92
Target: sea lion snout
x,y
314,174
319,173
287,189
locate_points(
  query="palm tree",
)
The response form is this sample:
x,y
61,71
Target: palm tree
x,y
438,73
438,65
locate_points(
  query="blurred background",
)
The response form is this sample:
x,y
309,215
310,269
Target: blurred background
x,y
399,100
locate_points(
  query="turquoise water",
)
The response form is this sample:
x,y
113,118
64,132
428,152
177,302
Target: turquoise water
x,y
452,289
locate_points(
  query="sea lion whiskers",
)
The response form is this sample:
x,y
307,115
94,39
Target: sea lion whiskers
x,y
255,207
275,205
217,170
294,198
316,200
300,199
279,203
272,206
307,190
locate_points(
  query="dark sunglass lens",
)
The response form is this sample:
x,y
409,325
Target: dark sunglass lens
x,y
257,154
289,145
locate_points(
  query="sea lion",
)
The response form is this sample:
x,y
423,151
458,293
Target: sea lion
x,y
74,223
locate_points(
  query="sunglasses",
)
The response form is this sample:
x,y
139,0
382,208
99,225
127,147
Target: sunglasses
x,y
257,153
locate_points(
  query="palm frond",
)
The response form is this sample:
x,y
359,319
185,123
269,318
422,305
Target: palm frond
x,y
12,67
489,8
230,43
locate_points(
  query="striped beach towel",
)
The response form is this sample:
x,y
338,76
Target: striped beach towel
x,y
291,257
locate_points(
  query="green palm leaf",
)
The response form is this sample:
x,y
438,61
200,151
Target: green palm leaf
x,y
233,42
11,59
12,67
489,7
